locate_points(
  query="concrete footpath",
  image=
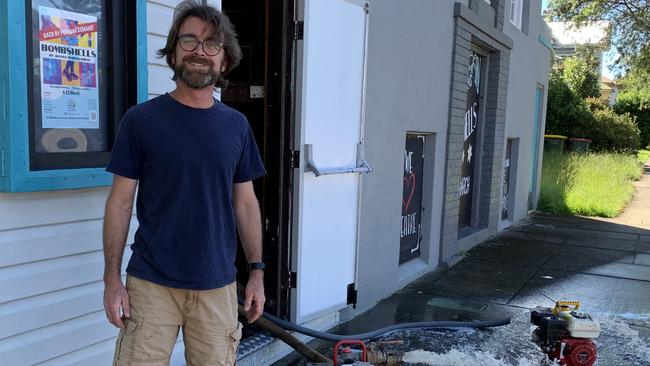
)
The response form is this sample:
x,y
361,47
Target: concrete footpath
x,y
604,263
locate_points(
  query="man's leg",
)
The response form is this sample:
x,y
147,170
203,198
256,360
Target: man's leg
x,y
212,332
152,329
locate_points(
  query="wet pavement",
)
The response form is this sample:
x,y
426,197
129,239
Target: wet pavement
x,y
603,263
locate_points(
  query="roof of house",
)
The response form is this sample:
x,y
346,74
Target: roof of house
x,y
568,34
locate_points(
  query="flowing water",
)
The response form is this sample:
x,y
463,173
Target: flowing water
x,y
624,341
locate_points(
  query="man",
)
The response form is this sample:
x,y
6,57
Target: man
x,y
194,159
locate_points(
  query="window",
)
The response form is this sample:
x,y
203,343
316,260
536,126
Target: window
x,y
72,114
515,12
65,82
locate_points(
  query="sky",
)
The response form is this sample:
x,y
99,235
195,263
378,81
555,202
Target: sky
x,y
608,57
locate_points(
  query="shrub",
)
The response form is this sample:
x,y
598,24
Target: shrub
x,y
636,103
597,103
567,113
576,112
613,132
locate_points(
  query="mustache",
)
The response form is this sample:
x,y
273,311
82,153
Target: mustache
x,y
198,60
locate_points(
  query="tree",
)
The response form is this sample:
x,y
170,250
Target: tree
x,y
566,113
637,104
629,22
636,79
581,77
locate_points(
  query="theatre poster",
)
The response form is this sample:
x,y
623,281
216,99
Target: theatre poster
x,y
68,68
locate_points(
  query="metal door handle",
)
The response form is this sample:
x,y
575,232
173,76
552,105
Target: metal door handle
x,y
362,164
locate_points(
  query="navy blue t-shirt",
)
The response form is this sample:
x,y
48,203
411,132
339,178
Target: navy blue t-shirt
x,y
186,160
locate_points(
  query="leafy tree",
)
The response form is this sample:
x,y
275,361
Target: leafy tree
x,y
636,103
581,78
629,21
567,113
571,114
636,79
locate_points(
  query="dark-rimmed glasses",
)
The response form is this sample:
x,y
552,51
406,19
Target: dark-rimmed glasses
x,y
189,43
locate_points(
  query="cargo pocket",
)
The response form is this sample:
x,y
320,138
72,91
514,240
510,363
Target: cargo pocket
x,y
234,337
125,341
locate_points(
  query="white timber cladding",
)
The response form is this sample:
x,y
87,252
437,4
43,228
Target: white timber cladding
x,y
159,19
328,216
51,289
51,260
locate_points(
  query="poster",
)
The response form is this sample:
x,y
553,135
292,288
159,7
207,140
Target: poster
x,y
410,231
68,58
505,198
465,188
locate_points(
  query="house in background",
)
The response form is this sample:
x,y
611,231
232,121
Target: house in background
x,y
396,135
567,38
608,89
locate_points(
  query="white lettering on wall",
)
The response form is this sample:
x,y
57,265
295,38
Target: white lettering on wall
x,y
408,166
471,117
465,184
408,225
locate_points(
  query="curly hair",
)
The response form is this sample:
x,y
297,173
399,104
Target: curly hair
x,y
223,30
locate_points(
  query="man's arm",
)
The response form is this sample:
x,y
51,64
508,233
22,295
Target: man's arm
x,y
117,217
249,225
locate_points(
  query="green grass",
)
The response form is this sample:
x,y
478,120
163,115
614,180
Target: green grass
x,y
643,155
594,184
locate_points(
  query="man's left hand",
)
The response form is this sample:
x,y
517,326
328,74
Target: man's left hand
x,y
254,303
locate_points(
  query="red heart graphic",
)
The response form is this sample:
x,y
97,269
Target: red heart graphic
x,y
407,181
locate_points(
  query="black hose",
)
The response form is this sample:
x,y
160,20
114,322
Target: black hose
x,y
376,333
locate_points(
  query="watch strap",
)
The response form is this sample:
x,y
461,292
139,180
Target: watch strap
x,y
256,265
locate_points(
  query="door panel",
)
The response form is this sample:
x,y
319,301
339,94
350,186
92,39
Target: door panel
x,y
331,102
534,156
470,133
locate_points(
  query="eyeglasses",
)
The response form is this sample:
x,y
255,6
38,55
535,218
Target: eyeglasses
x,y
190,43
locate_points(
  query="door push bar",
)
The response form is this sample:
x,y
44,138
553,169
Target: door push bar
x,y
362,165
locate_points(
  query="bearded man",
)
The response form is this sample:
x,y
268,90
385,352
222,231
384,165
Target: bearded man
x,y
193,160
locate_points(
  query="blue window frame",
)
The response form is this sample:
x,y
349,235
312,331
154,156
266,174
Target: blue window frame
x,y
16,172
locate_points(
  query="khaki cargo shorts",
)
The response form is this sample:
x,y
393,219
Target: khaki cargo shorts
x,y
211,331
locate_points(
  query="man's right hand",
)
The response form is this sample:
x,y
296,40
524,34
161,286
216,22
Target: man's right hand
x,y
116,302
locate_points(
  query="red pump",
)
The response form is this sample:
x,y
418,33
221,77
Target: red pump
x,y
345,354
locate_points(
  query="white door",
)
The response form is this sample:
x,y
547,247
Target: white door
x,y
330,103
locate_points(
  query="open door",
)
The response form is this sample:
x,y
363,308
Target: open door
x,y
331,64
260,88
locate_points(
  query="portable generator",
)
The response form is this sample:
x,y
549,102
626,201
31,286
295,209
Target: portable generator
x,y
565,334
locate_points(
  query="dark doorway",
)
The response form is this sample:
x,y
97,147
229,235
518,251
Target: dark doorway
x,y
260,88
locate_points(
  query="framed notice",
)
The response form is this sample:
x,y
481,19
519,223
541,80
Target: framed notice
x,y
68,60
411,219
82,79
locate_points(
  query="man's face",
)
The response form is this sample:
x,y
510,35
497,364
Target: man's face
x,y
197,69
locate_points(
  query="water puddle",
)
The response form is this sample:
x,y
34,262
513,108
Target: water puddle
x,y
625,340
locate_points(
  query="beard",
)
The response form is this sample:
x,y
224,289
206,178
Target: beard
x,y
197,79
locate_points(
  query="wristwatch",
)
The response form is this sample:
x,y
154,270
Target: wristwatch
x,y
256,265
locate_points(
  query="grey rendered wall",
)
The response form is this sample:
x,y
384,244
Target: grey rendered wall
x,y
529,66
408,77
478,26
